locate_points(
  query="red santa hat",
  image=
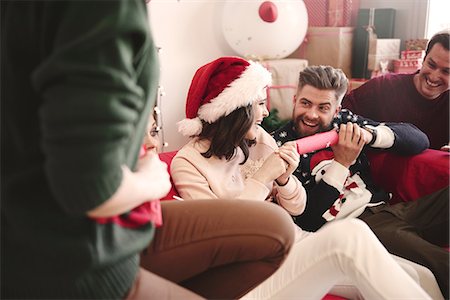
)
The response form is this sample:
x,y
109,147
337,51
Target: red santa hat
x,y
220,87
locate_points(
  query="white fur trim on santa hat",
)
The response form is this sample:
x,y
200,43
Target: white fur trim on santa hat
x,y
248,87
190,127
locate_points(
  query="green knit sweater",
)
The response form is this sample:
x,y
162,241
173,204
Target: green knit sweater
x,y
79,79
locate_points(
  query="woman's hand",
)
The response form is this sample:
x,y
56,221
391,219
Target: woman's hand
x,y
288,152
273,167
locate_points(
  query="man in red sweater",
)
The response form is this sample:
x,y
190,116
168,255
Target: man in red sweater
x,y
420,98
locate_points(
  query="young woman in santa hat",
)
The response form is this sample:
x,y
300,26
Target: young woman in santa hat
x,y
187,253
231,156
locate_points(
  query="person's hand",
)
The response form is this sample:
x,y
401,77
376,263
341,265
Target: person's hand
x,y
352,139
150,181
151,169
273,167
288,152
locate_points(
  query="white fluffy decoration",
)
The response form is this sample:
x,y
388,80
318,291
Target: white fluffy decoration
x,y
246,89
250,36
190,127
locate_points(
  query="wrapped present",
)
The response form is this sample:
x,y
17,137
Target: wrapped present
x,y
371,24
407,65
285,74
381,19
317,12
335,15
416,44
339,13
414,63
383,50
349,6
355,4
412,54
328,46
404,70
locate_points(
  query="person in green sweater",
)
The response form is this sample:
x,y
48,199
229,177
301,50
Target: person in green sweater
x,y
79,80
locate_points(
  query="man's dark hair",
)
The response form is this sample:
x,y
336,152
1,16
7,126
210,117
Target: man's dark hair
x,y
228,133
325,78
442,38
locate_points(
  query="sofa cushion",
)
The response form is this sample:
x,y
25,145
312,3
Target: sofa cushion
x,y
167,158
410,177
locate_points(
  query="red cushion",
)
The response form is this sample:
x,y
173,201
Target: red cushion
x,y
167,158
332,297
410,177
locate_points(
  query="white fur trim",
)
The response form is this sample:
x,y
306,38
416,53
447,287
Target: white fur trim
x,y
246,89
190,127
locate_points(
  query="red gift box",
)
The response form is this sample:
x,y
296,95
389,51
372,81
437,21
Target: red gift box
x,y
405,70
317,12
349,6
407,65
335,13
413,63
339,13
412,54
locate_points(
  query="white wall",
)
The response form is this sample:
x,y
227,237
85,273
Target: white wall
x,y
189,33
438,16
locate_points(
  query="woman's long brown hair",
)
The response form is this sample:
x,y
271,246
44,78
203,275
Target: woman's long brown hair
x,y
228,133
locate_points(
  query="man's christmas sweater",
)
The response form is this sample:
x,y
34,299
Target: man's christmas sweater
x,y
334,192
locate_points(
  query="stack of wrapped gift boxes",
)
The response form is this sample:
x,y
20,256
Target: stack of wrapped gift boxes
x,y
409,62
330,13
382,55
411,58
373,41
363,48
329,37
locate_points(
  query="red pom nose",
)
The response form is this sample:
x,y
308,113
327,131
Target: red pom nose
x,y
268,12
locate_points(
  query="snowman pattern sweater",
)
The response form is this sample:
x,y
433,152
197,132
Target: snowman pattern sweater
x,y
335,192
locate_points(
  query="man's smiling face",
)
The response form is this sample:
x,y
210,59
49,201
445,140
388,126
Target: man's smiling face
x,y
314,110
433,78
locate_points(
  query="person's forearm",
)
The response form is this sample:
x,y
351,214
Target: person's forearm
x,y
134,190
292,196
409,140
